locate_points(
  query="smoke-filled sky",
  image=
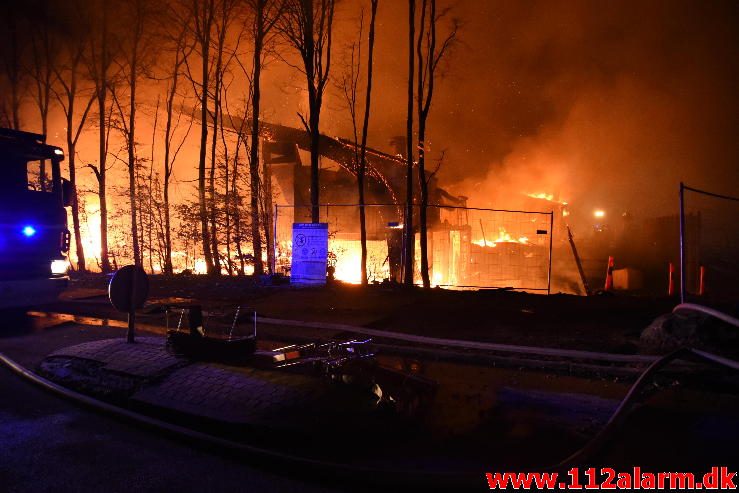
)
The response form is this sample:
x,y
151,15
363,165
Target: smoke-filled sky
x,y
604,103
611,103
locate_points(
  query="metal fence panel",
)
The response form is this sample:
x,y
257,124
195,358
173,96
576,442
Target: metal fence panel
x,y
709,247
467,247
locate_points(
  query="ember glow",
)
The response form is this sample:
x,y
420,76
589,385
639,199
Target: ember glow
x,y
345,256
348,260
545,196
549,197
503,237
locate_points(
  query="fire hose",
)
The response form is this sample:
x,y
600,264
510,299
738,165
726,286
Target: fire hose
x,y
396,477
619,414
708,311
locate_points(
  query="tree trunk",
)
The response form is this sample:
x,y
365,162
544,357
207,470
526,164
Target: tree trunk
x,y
218,76
256,236
132,156
423,71
205,46
236,211
363,155
71,150
168,268
103,143
268,217
315,137
81,267
424,203
409,233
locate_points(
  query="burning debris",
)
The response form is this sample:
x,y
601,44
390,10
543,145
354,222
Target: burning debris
x,y
503,237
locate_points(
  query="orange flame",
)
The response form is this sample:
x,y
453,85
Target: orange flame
x,y
503,237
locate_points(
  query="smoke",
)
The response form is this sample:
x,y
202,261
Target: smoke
x,y
603,104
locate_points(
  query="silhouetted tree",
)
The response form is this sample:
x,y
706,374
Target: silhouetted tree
x,y
100,61
430,53
41,68
135,47
181,51
408,225
11,51
265,15
308,27
203,15
67,91
349,85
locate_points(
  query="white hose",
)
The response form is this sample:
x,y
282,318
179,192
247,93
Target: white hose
x,y
708,311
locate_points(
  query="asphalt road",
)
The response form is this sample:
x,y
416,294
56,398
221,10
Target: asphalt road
x,y
50,444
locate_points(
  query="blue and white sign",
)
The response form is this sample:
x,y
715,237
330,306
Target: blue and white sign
x,y
309,254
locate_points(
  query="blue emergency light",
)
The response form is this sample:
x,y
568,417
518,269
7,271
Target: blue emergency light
x,y
28,231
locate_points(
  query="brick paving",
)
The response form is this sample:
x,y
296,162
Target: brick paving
x,y
147,357
233,395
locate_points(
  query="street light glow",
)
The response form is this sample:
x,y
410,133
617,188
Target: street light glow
x,y
599,213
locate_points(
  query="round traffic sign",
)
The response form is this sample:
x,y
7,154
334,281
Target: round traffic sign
x,y
120,288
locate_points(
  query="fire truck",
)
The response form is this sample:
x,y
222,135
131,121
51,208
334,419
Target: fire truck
x,y
34,239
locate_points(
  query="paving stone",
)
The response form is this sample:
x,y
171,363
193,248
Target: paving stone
x,y
147,357
232,395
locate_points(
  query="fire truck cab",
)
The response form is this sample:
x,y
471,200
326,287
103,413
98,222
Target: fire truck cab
x,y
34,239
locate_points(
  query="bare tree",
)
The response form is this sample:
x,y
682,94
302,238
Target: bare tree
x,y
225,14
203,15
349,85
429,53
266,14
181,52
11,50
408,224
134,47
100,62
308,26
43,58
67,94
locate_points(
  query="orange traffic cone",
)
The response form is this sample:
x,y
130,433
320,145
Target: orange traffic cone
x,y
609,275
671,280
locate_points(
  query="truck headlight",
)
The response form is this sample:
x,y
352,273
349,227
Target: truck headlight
x,y
59,266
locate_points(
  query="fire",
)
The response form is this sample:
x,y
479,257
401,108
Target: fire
x,y
545,196
503,237
346,258
348,255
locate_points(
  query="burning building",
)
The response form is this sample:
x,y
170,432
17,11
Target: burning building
x,y
468,247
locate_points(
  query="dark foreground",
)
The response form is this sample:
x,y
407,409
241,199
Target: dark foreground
x,y
50,445
610,323
511,419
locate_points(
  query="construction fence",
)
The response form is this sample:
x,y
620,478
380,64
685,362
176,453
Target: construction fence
x,y
467,247
709,247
